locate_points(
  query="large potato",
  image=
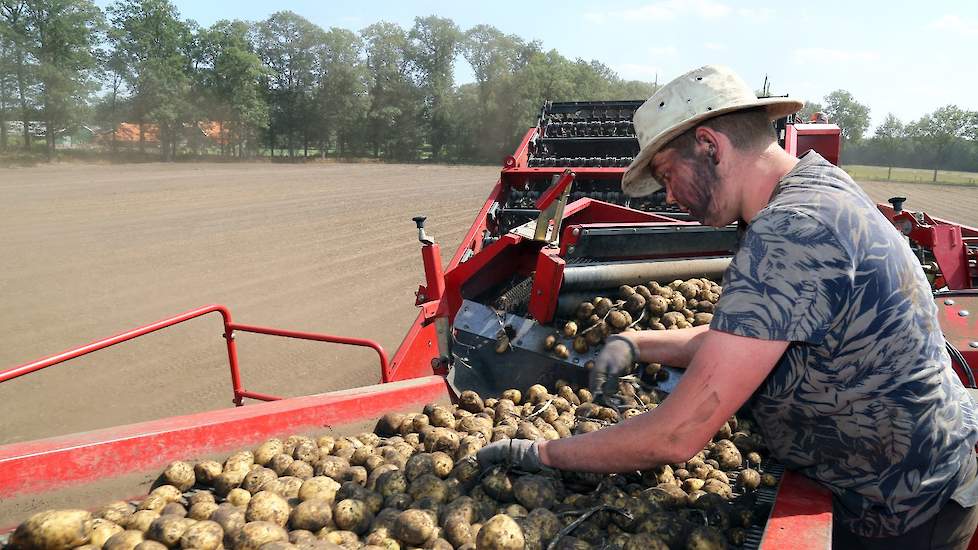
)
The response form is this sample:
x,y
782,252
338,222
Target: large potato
x,y
179,474
141,520
207,471
414,526
167,530
54,529
256,533
267,450
311,515
352,515
319,487
116,512
267,506
102,530
534,492
124,540
501,532
203,535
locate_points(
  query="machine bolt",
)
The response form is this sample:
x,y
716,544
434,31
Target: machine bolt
x,y
570,249
973,344
949,302
576,231
964,313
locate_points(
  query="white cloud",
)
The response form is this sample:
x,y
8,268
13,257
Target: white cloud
x,y
637,71
828,55
955,24
665,10
715,46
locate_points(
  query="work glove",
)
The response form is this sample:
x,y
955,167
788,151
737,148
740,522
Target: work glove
x,y
520,454
614,361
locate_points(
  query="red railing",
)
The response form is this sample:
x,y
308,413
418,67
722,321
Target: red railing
x,y
229,329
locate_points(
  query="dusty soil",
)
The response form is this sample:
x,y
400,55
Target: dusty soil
x,y
89,251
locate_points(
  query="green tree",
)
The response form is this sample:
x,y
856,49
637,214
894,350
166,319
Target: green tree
x,y
14,29
434,43
940,130
341,91
809,109
286,44
394,118
851,116
889,138
232,77
152,43
65,37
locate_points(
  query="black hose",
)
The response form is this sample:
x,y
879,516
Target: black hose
x,y
959,357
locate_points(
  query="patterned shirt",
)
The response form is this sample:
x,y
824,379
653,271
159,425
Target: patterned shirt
x,y
864,400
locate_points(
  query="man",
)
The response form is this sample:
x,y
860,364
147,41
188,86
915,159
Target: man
x,y
826,324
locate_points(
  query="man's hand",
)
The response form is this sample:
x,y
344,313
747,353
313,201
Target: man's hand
x,y
521,454
615,359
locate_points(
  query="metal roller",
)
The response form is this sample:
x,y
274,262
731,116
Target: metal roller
x,y
634,273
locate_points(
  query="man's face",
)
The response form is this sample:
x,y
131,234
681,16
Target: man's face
x,y
693,183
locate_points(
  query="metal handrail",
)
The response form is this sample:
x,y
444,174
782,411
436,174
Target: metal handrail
x,y
229,328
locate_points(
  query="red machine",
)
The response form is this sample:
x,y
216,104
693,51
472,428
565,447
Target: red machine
x,y
554,228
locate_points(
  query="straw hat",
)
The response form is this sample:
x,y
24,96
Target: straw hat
x,y
688,100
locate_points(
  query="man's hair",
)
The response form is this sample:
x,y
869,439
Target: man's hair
x,y
747,130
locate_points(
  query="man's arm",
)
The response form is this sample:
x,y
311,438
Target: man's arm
x,y
675,348
722,375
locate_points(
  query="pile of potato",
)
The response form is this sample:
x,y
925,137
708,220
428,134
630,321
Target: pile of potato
x,y
652,306
414,483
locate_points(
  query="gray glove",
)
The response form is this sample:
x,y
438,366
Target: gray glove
x,y
521,454
614,361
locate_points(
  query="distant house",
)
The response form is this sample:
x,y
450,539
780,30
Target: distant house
x,y
128,133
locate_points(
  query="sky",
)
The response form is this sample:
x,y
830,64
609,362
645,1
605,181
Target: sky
x,y
902,57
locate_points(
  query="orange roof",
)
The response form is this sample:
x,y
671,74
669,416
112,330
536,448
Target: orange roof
x,y
129,133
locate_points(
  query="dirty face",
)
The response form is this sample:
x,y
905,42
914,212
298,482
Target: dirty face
x,y
693,183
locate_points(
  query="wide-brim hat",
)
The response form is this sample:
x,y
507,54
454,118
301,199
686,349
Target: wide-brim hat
x,y
686,101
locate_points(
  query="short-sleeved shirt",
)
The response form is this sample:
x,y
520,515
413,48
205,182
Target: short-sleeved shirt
x,y
864,400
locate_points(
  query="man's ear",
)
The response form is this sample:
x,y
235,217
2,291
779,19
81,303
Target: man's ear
x,y
708,139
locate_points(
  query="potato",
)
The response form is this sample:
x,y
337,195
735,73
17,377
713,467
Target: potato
x,y
561,351
150,545
230,518
180,475
346,539
256,533
570,329
280,462
256,479
768,480
306,450
116,512
264,453
470,401
311,515
428,485
331,466
240,498
174,509
501,532
228,480
268,506
319,487
168,493
201,510
203,535
705,538
352,515
414,526
54,529
167,530
141,520
239,461
727,454
124,540
534,491
300,469
206,472
513,395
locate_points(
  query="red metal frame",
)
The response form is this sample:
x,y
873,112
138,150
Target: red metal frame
x,y
229,328
953,245
826,139
48,464
801,517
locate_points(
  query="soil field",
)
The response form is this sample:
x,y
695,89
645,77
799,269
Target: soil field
x,y
89,251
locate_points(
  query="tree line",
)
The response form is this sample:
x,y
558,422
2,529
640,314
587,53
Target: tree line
x,y
283,85
945,139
